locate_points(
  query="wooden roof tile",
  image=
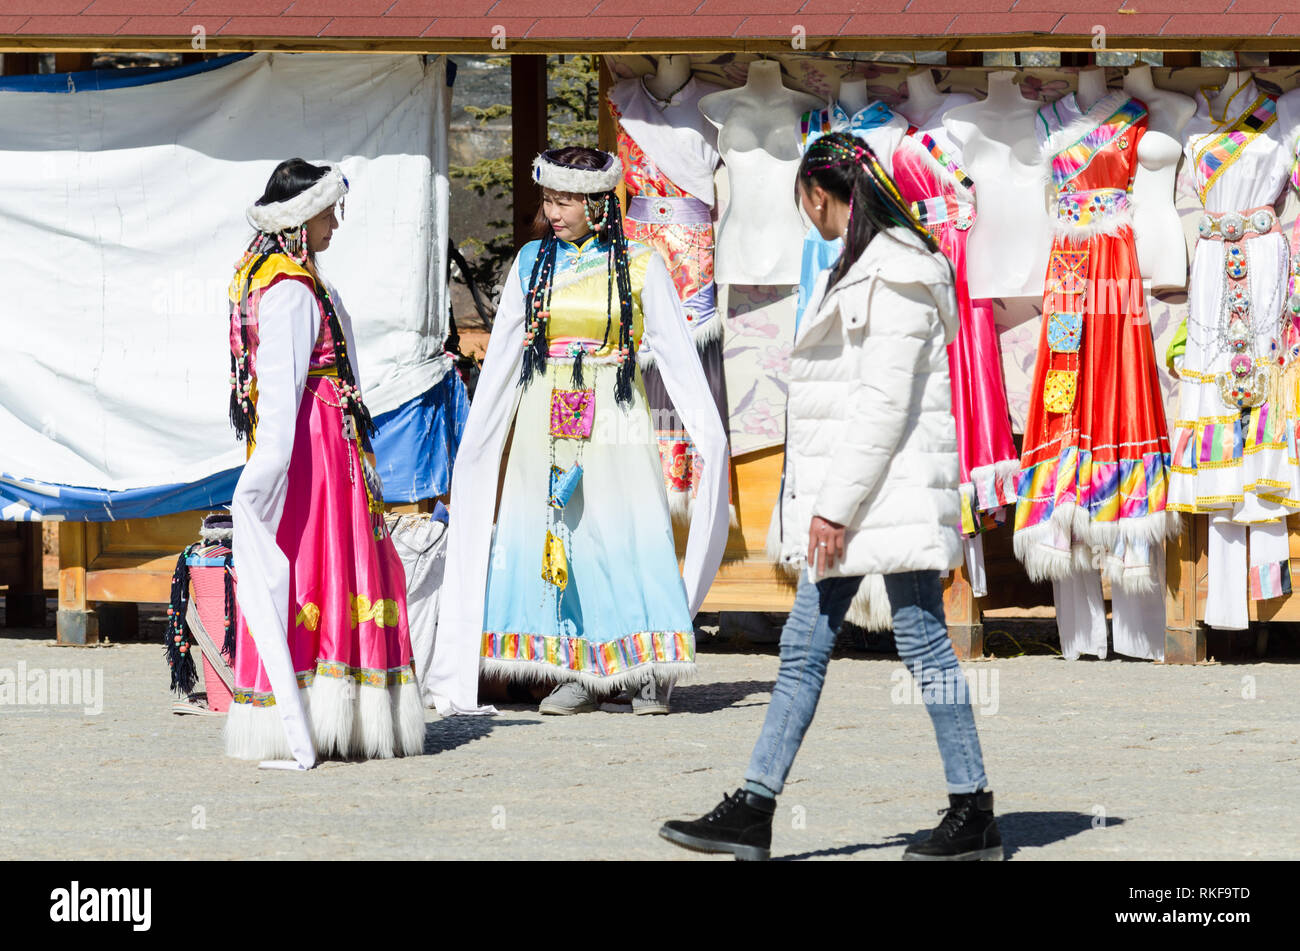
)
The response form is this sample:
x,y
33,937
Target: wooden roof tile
x,y
824,25
377,26
671,26
274,26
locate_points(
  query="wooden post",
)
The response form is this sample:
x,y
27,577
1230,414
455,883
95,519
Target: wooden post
x,y
1184,634
76,623
965,627
19,64
73,62
25,599
607,132
528,136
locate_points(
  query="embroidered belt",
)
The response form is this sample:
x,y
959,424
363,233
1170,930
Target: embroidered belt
x,y
1086,206
567,347
1250,369
932,212
664,211
1235,225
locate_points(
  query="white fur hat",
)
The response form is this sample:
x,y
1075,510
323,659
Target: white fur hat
x,y
552,174
281,215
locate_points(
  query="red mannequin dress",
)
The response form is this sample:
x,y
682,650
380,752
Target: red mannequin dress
x,y
1095,462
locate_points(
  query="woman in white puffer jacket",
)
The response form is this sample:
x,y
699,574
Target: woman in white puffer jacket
x,y
870,487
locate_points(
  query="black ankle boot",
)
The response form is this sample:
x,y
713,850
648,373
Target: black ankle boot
x,y
741,824
968,832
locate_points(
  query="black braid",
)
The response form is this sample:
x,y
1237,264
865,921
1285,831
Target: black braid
x,y
618,250
537,309
243,413
228,644
537,304
361,416
178,643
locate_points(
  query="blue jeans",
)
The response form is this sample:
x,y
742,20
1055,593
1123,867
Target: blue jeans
x,y
921,634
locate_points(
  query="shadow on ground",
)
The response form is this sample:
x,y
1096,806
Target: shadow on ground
x,y
1019,830
710,698
448,733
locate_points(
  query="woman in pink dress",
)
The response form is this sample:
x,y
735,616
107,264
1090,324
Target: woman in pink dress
x,y
323,666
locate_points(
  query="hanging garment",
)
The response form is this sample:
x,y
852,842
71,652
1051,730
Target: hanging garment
x,y
656,138
1235,452
929,175
1094,467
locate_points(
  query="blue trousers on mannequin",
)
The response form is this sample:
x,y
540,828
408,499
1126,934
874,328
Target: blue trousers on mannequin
x,y
921,635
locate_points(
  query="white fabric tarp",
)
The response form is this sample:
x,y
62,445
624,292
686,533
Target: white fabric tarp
x,y
122,215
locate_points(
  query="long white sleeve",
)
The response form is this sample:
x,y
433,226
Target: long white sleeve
x,y
679,366
453,674
288,322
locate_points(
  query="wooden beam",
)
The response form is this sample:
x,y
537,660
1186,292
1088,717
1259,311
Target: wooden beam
x,y
528,113
434,46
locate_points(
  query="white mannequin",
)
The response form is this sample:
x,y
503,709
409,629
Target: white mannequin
x,y
852,95
761,233
1092,87
1009,245
1161,243
671,74
923,98
1219,102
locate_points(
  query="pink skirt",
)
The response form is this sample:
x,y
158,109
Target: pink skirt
x,y
348,635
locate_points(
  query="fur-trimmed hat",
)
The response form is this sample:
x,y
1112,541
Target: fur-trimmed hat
x,y
551,173
278,216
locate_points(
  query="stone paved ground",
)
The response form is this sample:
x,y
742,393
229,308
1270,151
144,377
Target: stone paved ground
x,y
1089,760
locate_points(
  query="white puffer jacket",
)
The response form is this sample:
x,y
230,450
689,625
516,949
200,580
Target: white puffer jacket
x,y
870,439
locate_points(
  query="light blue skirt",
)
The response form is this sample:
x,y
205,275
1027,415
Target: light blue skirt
x,y
622,612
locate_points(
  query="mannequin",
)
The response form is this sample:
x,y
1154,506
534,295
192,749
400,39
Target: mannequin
x,y
671,74
852,94
1219,101
924,101
1011,239
759,236
669,155
1161,244
1239,151
1092,86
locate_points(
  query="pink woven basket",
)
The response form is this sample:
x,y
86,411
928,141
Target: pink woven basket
x,y
208,589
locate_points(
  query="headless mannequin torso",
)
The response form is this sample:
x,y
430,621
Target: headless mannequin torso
x,y
760,235
1009,245
1161,243
671,74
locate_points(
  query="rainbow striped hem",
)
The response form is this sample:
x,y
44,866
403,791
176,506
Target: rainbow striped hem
x,y
598,659
1110,492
